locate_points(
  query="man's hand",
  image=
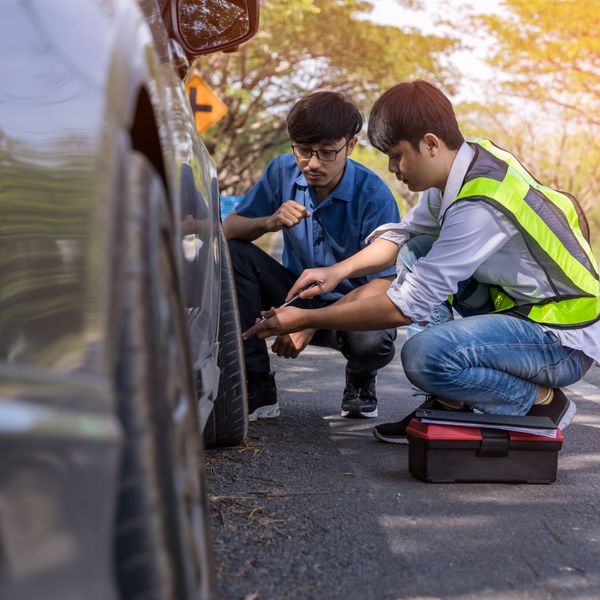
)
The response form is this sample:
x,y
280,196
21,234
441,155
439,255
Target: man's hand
x,y
289,214
326,279
289,345
278,321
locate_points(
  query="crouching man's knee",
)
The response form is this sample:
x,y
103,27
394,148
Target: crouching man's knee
x,y
427,359
372,349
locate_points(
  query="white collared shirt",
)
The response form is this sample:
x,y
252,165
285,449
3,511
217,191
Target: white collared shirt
x,y
475,240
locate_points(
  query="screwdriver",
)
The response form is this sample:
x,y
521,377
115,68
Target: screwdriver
x,y
293,299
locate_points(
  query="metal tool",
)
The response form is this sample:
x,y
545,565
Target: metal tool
x,y
293,299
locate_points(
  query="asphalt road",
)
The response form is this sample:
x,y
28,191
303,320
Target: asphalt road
x,y
313,507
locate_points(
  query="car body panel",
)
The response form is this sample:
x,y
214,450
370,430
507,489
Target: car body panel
x,y
73,73
48,452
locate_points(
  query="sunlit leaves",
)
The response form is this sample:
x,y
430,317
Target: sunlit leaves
x,y
547,58
551,49
303,46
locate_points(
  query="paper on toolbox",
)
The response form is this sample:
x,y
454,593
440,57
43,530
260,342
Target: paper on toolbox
x,y
522,424
550,433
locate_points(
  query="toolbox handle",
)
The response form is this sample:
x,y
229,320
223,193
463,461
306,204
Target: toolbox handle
x,y
494,442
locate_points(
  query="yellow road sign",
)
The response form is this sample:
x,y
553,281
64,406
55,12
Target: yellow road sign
x,y
208,108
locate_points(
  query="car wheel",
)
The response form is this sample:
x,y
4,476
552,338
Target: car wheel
x,y
162,547
228,422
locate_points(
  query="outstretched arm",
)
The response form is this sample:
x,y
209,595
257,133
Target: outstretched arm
x,y
378,256
363,314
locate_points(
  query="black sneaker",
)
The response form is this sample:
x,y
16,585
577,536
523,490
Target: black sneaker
x,y
262,396
395,433
359,400
561,410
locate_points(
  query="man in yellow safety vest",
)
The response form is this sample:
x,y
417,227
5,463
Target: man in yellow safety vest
x,y
510,254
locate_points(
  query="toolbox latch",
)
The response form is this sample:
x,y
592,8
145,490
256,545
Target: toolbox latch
x,y
494,442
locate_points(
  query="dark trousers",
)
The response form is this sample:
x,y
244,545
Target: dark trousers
x,y
262,282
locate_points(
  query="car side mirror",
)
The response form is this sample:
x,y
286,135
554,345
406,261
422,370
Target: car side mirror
x,y
204,26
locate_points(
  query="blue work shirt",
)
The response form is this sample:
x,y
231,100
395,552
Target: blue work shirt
x,y
338,225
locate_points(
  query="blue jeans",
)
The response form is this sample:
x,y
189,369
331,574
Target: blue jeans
x,y
494,363
475,297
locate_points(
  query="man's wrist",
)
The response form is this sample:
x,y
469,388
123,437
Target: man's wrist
x,y
269,224
341,270
265,224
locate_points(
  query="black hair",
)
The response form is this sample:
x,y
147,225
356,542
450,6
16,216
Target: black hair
x,y
410,110
323,117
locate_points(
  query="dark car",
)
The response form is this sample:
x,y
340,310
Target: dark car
x,y
119,338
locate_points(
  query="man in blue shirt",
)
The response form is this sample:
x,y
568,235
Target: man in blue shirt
x,y
326,205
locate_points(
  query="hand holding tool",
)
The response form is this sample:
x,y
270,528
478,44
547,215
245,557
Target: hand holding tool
x,y
293,299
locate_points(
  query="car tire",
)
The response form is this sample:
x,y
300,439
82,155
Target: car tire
x,y
228,422
162,544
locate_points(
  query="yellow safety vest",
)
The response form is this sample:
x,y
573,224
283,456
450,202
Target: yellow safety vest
x,y
551,226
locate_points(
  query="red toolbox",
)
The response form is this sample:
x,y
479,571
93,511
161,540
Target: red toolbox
x,y
448,453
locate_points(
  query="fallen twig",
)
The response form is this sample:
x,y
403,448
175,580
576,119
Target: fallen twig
x,y
267,494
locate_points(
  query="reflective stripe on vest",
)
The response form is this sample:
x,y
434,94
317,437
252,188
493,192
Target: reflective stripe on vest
x,y
550,226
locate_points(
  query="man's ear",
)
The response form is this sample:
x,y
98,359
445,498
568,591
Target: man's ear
x,y
432,143
351,145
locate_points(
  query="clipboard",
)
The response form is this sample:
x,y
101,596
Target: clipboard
x,y
483,420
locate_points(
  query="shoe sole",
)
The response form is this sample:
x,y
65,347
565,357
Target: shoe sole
x,y
390,440
568,416
265,412
349,414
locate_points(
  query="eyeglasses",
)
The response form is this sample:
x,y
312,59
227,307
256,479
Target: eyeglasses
x,y
324,155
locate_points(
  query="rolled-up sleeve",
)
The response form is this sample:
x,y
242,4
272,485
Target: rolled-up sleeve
x,y
383,210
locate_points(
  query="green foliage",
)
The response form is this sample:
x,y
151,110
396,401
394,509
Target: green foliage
x,y
304,46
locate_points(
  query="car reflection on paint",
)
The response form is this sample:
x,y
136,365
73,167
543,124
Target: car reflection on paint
x,y
118,323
